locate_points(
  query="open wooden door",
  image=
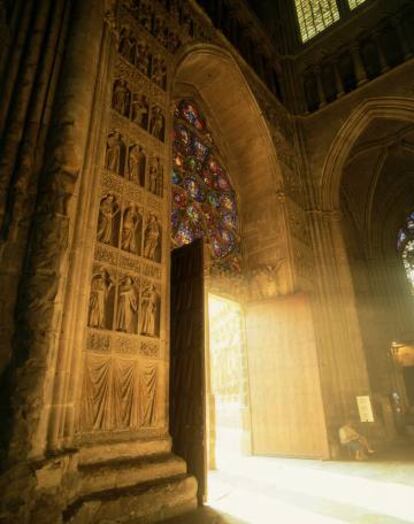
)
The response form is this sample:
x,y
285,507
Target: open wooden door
x,y
187,372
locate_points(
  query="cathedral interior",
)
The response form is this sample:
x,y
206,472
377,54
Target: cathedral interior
x,y
206,261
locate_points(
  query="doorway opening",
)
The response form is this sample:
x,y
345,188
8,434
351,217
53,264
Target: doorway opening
x,y
209,408
227,383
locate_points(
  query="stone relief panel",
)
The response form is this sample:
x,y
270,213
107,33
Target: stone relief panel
x,y
119,393
123,344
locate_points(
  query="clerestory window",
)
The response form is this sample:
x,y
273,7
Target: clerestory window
x,y
314,16
355,3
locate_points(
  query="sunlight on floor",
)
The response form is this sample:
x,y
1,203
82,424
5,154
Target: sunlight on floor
x,y
265,490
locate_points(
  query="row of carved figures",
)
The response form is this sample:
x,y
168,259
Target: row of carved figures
x,y
123,306
136,107
132,162
138,54
123,229
158,25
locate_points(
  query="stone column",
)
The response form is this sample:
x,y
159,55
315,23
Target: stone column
x,y
43,282
338,80
360,73
321,91
383,63
396,22
341,356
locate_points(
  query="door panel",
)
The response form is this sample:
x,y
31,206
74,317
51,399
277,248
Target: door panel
x,y
187,373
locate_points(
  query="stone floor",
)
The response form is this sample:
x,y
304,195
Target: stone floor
x,y
258,490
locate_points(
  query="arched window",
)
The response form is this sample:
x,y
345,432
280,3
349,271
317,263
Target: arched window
x,y
405,245
204,203
355,3
314,16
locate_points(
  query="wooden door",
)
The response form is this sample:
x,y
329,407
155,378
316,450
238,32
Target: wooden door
x,y
187,372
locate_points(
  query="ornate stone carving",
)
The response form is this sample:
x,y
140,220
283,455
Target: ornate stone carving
x,y
108,222
126,345
150,311
157,123
152,239
140,110
159,72
156,177
149,349
136,165
98,342
101,299
106,254
132,229
129,263
121,98
151,271
127,305
115,153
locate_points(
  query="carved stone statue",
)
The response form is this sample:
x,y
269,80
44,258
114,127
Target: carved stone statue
x,y
107,213
159,72
114,148
157,123
140,110
155,177
146,15
152,238
136,165
143,59
127,46
130,230
127,306
120,98
149,312
101,285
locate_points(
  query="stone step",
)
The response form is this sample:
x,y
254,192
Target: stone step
x,y
123,472
96,453
140,504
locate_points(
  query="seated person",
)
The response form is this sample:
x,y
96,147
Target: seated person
x,y
352,440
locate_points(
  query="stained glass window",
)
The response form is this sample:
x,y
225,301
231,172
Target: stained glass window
x,y
405,245
314,16
355,3
204,204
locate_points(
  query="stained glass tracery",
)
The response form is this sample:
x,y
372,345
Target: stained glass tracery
x,y
405,245
204,204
